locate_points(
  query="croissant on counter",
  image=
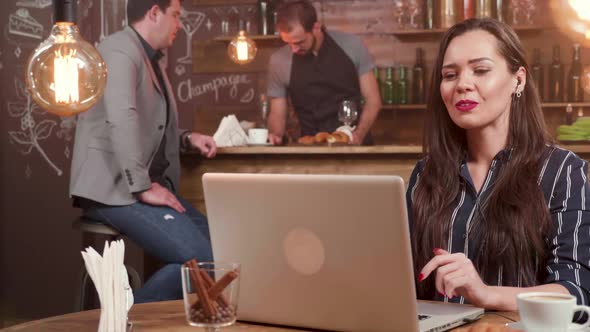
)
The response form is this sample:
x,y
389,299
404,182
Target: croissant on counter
x,y
322,137
325,137
306,140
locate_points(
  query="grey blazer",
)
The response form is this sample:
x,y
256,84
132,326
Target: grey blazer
x,y
117,138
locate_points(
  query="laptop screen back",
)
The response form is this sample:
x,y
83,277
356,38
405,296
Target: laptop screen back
x,y
318,251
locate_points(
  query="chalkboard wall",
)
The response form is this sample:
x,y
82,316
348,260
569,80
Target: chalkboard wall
x,y
39,251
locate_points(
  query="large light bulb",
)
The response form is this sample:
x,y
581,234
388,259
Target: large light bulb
x,y
65,75
573,18
242,49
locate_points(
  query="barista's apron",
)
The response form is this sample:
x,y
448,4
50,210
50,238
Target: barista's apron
x,y
318,85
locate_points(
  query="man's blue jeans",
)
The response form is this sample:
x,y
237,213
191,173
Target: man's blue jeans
x,y
172,237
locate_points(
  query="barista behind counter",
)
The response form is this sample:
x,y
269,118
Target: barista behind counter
x,y
317,70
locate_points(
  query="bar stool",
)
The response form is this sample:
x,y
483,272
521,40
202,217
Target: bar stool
x,y
92,226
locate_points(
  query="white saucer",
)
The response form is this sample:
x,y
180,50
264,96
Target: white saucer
x,y
519,326
259,144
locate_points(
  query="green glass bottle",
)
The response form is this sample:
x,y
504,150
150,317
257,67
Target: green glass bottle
x,y
575,90
556,77
402,86
537,71
418,78
388,89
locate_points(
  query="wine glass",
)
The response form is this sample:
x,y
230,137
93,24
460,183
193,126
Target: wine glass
x,y
400,10
530,9
347,113
223,14
210,292
415,13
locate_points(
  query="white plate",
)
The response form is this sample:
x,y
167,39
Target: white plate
x,y
259,144
518,326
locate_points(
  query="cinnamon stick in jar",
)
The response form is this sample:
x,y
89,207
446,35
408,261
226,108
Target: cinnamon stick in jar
x,y
201,289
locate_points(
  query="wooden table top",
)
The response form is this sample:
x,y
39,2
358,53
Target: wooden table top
x,y
169,316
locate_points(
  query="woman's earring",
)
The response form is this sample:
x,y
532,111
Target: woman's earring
x,y
518,94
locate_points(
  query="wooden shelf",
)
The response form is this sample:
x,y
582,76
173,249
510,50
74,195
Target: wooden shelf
x,y
223,2
429,32
564,105
253,37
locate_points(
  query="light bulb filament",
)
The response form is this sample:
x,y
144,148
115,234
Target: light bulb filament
x,y
65,77
242,49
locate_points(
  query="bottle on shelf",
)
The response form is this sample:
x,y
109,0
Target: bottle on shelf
x,y
484,8
468,9
500,14
537,71
388,90
402,86
448,13
418,79
556,77
429,14
272,17
263,22
574,88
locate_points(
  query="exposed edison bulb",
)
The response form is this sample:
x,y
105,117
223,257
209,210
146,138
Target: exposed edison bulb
x,y
65,74
573,18
242,49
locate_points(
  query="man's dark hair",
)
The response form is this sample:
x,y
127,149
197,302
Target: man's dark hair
x,y
294,12
136,9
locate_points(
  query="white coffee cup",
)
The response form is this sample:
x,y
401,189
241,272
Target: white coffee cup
x,y
257,135
543,311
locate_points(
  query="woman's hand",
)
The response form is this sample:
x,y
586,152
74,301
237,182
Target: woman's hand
x,y
456,276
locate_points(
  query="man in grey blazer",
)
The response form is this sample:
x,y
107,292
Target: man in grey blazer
x,y
125,165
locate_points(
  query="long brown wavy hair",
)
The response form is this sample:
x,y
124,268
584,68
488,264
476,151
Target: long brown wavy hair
x,y
513,223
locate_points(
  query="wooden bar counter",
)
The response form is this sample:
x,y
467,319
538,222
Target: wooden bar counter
x,y
364,160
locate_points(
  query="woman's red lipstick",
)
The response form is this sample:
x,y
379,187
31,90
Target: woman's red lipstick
x,y
465,105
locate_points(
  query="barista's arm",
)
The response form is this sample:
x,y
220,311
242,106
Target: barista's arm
x,y
277,120
370,92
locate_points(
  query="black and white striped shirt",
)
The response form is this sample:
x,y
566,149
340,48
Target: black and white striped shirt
x,y
563,180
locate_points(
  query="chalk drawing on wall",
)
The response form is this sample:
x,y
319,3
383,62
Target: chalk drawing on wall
x,y
34,3
113,17
191,22
18,52
28,172
31,132
67,127
231,85
179,70
248,96
23,24
85,7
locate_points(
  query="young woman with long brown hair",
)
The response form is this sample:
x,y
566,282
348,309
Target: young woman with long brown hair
x,y
495,207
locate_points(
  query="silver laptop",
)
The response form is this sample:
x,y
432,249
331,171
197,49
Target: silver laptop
x,y
328,252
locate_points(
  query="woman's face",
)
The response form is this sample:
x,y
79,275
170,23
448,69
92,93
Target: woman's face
x,y
476,85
